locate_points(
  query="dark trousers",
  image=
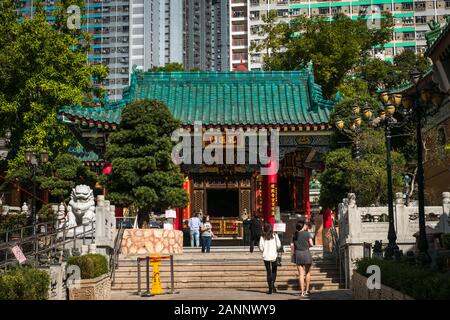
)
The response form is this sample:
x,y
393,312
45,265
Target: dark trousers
x,y
254,241
206,243
271,269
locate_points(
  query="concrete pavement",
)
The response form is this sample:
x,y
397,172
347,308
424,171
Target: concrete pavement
x,y
235,294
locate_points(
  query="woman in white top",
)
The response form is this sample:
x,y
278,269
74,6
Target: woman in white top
x,y
269,246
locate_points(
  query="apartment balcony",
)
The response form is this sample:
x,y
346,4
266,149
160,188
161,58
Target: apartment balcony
x,y
237,43
238,15
238,57
238,3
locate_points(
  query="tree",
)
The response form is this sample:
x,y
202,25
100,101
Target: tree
x,y
367,178
171,67
41,70
63,174
144,175
335,47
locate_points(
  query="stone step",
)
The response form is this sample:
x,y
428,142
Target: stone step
x,y
216,280
227,264
194,273
315,286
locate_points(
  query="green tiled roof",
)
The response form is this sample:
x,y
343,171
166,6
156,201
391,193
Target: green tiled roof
x,y
223,98
436,34
84,155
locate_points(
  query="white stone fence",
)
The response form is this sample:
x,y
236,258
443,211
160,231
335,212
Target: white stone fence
x,y
359,225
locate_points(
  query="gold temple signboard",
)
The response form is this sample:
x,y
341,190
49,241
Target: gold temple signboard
x,y
228,140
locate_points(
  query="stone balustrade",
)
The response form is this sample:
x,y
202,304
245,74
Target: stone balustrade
x,y
358,225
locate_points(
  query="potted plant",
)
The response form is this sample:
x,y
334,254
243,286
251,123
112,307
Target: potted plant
x,y
95,283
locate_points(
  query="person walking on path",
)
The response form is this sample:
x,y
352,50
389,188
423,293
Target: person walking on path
x,y
269,245
301,242
206,234
255,231
194,227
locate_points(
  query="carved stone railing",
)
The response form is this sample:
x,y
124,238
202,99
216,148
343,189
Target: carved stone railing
x,y
359,225
367,224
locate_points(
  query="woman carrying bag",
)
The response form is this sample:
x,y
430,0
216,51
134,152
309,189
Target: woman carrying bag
x,y
301,242
269,245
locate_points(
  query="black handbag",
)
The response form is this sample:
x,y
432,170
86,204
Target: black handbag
x,y
279,259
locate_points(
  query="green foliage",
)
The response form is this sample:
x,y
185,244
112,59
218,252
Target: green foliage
x,y
171,67
416,281
446,240
63,174
46,214
24,283
91,265
13,222
41,70
143,174
367,178
334,47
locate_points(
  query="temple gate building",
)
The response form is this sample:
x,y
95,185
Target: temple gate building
x,y
286,103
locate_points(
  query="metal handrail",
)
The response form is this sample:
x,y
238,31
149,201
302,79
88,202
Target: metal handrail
x,y
41,243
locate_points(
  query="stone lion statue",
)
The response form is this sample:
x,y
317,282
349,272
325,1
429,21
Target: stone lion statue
x,y
81,208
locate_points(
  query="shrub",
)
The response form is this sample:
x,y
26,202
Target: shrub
x,y
13,222
446,240
46,214
91,265
24,283
416,281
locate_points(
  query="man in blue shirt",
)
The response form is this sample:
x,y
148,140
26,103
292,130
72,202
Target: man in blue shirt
x,y
194,227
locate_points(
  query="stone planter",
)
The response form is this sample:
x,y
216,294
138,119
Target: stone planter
x,y
92,289
361,292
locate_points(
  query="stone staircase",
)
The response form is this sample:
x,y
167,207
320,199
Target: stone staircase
x,y
228,267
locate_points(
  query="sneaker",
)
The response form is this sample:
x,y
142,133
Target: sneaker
x,y
306,293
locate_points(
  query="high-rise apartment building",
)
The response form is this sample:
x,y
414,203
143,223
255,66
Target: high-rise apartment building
x,y
156,32
206,43
411,18
144,33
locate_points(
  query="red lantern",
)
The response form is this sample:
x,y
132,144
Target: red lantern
x,y
107,168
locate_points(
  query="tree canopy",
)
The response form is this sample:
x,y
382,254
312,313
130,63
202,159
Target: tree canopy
x,y
335,47
144,175
42,68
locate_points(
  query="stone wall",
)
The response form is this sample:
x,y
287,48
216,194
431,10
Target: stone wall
x,y
144,242
360,291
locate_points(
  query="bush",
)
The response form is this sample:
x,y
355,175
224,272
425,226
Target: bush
x,y
13,222
46,214
24,283
446,240
91,265
416,281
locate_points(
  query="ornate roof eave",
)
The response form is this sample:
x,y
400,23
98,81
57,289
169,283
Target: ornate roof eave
x,y
435,35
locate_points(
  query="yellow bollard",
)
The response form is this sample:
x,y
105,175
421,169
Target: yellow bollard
x,y
155,261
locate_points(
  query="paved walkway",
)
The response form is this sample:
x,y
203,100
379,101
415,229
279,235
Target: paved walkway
x,y
235,294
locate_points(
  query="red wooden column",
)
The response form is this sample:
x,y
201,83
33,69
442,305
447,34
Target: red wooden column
x,y
306,195
270,193
184,213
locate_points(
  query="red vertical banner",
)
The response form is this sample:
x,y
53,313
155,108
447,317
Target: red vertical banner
x,y
270,193
258,194
186,213
306,195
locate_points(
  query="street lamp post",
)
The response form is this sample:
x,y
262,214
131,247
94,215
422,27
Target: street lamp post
x,y
415,108
32,160
385,118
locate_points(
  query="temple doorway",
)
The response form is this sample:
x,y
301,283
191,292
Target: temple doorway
x,y
223,203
